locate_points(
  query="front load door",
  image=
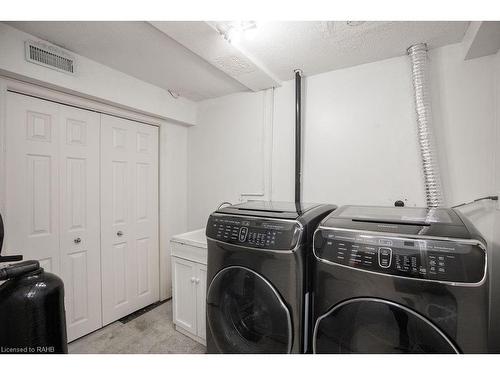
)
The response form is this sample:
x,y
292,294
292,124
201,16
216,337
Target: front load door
x,y
372,325
246,314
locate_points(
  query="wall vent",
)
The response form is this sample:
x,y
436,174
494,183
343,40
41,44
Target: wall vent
x,y
49,56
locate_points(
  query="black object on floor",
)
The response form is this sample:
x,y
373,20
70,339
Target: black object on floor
x,y
142,311
32,316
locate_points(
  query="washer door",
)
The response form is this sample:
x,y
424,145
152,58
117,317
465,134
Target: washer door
x,y
246,314
371,325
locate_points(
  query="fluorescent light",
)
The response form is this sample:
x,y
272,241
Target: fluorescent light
x,y
234,31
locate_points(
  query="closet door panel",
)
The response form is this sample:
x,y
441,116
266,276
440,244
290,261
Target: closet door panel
x,y
117,237
129,212
80,221
32,180
146,214
52,199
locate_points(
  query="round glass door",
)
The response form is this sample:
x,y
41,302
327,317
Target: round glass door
x,y
245,313
370,325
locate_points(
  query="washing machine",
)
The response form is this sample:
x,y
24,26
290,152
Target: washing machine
x,y
258,286
399,280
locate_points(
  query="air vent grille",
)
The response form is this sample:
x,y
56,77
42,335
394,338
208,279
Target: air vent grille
x,y
49,56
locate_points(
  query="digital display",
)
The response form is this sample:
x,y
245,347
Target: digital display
x,y
258,233
421,259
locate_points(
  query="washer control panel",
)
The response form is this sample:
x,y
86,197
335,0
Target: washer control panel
x,y
254,232
441,260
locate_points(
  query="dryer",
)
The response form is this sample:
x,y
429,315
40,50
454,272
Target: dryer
x,y
399,280
258,285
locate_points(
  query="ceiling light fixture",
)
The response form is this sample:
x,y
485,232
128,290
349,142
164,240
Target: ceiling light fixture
x,y
355,23
234,31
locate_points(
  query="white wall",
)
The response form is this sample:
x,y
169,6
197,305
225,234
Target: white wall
x,y
497,122
225,153
173,195
360,144
355,121
92,80
464,118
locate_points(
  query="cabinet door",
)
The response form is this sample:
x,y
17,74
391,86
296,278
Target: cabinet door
x,y
201,300
184,294
129,216
80,222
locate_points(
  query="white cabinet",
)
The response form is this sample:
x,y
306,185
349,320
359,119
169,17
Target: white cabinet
x,y
189,295
184,294
189,284
201,301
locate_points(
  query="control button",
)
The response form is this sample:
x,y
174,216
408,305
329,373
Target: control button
x,y
243,234
385,242
384,257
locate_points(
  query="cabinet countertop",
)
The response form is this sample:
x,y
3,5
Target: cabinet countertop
x,y
194,238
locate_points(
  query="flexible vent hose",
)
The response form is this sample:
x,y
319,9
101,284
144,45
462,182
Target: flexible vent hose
x,y
432,178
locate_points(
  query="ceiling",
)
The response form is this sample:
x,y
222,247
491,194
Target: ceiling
x,y
195,61
140,50
317,47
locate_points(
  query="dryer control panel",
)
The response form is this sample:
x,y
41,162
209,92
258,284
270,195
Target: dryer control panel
x,y
254,232
430,259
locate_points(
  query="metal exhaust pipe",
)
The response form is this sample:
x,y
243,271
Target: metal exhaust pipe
x,y
298,138
430,165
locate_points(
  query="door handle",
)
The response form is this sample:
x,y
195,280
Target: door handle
x,y
197,281
193,280
119,233
77,240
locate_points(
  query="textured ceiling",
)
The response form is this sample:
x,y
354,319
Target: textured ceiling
x,y
204,40
320,46
140,50
178,62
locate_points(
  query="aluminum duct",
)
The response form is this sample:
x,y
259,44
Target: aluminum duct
x,y
432,178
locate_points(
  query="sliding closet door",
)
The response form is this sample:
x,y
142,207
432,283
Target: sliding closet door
x,y
32,180
52,199
80,221
146,215
129,216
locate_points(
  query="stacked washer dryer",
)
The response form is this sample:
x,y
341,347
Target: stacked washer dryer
x,y
258,284
400,280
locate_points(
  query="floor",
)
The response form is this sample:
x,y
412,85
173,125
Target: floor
x,y
152,332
